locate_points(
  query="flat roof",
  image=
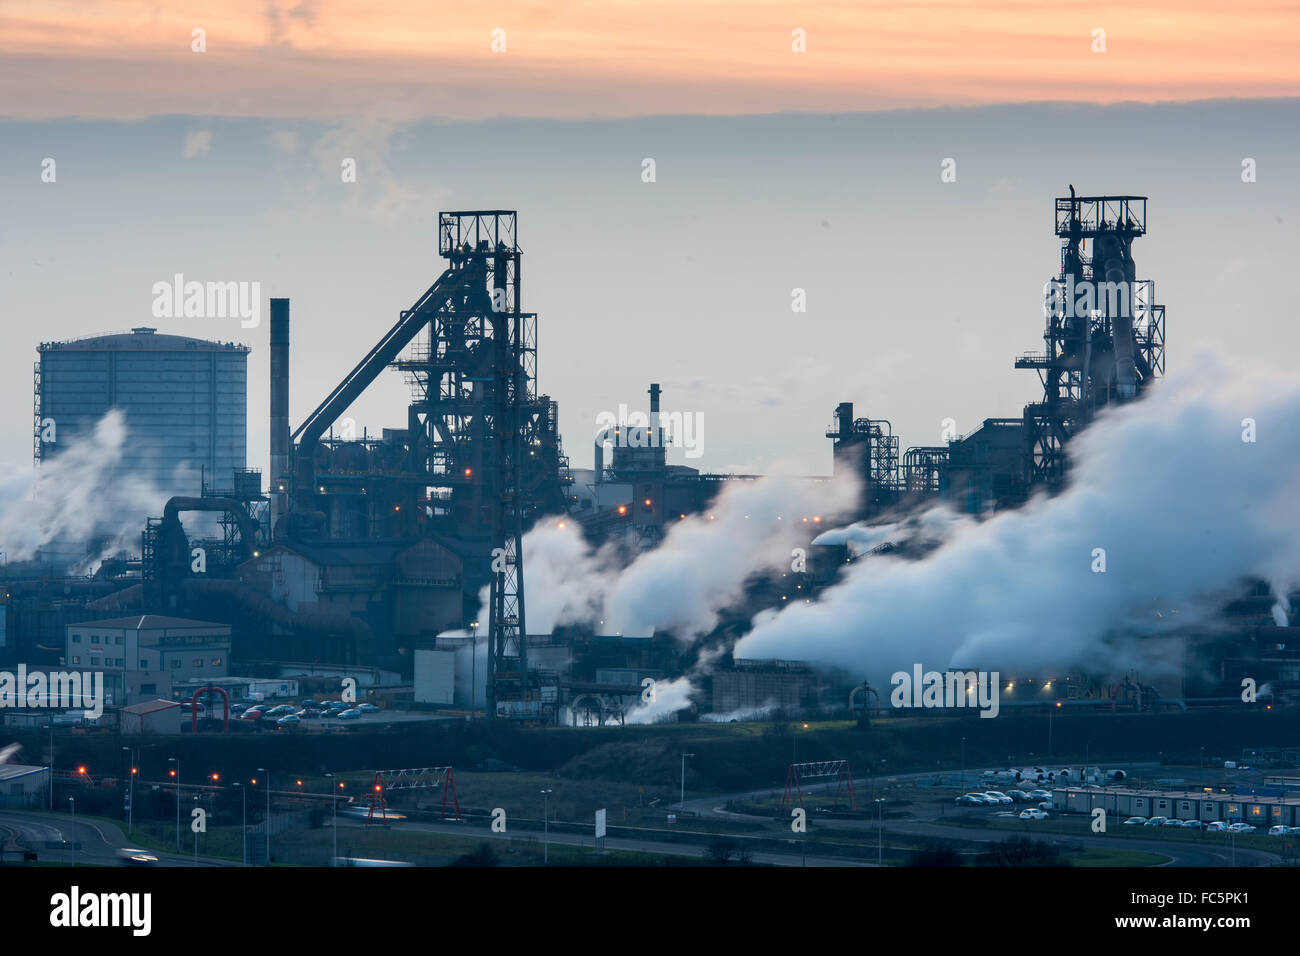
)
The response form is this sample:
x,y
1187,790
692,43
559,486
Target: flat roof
x,y
148,622
12,771
1184,794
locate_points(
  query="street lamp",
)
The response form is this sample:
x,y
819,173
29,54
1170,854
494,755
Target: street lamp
x,y
177,774
130,793
681,805
546,823
334,824
880,830
963,765
243,828
72,808
196,832
266,824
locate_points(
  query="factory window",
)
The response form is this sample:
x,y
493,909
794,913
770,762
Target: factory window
x,y
144,664
148,688
76,638
176,662
198,662
76,660
94,662
216,662
118,639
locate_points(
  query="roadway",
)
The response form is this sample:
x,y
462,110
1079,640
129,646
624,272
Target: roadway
x,y
99,841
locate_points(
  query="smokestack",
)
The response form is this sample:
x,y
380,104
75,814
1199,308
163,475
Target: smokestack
x,y
279,408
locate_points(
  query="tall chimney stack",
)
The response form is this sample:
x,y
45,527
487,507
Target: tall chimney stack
x,y
279,408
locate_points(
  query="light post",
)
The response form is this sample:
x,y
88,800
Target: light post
x,y
130,793
546,823
880,830
72,807
266,824
1050,712
51,762
473,670
963,765
243,827
177,774
681,804
196,832
334,823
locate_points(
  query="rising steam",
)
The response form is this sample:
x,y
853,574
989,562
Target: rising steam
x,y
1183,504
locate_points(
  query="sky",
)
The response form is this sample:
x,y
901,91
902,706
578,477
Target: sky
x,y
775,171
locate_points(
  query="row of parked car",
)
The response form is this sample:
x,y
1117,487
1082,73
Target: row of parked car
x,y
1215,826
287,715
993,798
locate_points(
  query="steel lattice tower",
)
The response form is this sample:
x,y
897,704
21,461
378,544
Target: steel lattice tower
x,y
1105,334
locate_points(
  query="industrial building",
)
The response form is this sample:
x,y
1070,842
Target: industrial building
x,y
152,717
144,655
360,550
23,787
1262,808
184,401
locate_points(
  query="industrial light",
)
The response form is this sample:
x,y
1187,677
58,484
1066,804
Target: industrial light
x,y
647,502
467,472
560,525
622,509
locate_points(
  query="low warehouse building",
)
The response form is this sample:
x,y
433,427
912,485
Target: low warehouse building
x,y
152,717
22,786
1257,809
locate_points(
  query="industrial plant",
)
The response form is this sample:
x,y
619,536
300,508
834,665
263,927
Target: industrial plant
x,y
370,554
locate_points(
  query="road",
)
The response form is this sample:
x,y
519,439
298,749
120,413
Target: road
x,y
99,841
1179,853
792,858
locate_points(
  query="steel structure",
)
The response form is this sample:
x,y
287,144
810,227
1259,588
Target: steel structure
x,y
423,778
820,770
1105,333
481,454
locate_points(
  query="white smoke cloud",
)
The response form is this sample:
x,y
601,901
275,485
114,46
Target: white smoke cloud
x,y
698,570
75,496
1183,507
670,697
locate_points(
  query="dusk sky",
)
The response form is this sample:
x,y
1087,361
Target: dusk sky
x,y
776,170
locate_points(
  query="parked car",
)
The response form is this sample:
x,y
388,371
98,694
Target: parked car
x,y
1172,822
238,709
1217,826
1191,824
1155,822
281,710
349,714
251,714
310,705
1279,830
1135,821
972,800
997,797
288,720
367,708
1019,796
1033,814
307,714
1040,794
1241,828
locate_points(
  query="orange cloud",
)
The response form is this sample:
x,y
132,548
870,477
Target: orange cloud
x,y
568,58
